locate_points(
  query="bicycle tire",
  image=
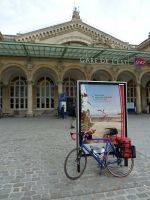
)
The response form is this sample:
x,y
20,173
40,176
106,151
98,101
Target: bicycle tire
x,y
118,167
76,160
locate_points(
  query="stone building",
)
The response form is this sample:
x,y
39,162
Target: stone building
x,y
35,67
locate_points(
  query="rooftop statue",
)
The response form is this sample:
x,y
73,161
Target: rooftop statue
x,y
75,14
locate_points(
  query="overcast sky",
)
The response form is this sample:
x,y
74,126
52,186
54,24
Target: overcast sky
x,y
127,20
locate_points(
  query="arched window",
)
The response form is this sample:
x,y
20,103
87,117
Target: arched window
x,y
148,92
18,93
45,93
131,91
69,87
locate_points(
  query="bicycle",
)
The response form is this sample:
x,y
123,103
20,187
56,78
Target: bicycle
x,y
110,158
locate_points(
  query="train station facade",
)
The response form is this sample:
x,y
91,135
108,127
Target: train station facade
x,y
37,66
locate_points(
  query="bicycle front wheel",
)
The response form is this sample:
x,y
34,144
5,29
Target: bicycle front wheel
x,y
75,163
119,167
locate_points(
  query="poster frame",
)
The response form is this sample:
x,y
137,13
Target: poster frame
x,y
79,83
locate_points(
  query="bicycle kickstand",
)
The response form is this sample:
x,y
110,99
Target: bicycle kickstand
x,y
101,168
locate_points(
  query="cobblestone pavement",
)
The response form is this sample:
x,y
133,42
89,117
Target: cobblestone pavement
x,y
32,154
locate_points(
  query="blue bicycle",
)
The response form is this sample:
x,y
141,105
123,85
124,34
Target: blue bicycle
x,y
110,158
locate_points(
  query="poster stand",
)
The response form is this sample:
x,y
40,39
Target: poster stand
x,y
101,105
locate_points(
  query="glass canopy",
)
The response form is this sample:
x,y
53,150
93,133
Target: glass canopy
x,y
25,49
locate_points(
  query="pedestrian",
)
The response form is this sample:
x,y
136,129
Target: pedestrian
x,y
62,112
58,112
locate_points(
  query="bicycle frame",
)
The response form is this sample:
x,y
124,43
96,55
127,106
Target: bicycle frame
x,y
108,142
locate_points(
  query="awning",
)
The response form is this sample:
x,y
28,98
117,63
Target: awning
x,y
25,49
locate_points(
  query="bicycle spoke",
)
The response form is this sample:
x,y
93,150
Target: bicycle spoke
x,y
117,167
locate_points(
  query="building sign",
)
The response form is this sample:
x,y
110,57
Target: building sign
x,y
100,60
101,105
139,61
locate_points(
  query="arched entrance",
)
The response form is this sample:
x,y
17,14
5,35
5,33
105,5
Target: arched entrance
x,y
14,90
44,90
131,89
45,93
18,93
148,96
69,87
145,93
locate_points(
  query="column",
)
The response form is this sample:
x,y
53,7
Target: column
x,y
5,99
59,91
138,98
30,99
114,79
60,87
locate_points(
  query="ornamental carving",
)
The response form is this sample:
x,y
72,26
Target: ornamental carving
x,y
138,71
59,68
114,70
29,66
88,70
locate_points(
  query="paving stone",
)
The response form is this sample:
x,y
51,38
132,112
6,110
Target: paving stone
x,y
98,196
120,198
110,194
131,196
16,189
4,196
36,197
131,190
142,195
46,196
26,188
26,198
18,185
5,191
120,192
16,195
29,193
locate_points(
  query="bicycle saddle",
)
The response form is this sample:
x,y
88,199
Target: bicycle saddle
x,y
111,131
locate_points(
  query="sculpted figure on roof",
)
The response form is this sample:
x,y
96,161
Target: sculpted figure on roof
x,y
75,14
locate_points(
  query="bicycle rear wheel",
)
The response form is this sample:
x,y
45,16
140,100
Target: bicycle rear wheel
x,y
119,167
75,163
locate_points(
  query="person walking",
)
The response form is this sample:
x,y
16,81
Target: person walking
x,y
62,112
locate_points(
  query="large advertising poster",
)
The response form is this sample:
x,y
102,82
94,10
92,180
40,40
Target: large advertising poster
x,y
101,105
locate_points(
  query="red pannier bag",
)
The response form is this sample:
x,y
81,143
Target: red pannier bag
x,y
126,147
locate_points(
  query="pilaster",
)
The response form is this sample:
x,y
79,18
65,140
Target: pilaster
x,y
138,97
60,86
30,98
